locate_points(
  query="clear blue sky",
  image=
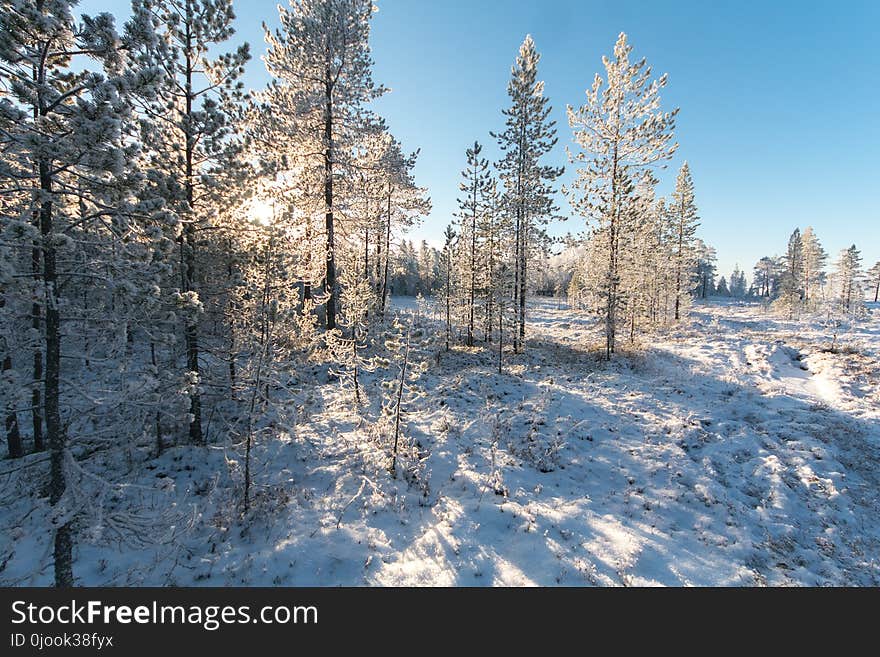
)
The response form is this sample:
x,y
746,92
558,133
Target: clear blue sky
x,y
780,102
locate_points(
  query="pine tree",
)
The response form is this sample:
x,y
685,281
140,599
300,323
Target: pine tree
x,y
405,343
661,262
65,163
791,293
446,263
640,255
620,131
529,134
427,266
491,229
474,205
704,270
189,129
507,315
320,59
348,343
813,274
266,311
846,274
738,285
685,220
765,281
873,275
363,194
403,203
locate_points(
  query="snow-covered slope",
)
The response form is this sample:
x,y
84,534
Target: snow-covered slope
x,y
733,450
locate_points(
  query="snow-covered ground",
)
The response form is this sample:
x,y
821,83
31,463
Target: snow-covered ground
x,y
735,449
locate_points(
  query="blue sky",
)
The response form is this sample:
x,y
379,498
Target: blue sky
x,y
780,102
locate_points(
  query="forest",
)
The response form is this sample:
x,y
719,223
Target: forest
x,y
227,360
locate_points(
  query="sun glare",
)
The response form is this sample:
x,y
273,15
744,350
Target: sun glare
x,y
261,211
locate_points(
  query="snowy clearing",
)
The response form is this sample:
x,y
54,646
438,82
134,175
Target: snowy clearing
x,y
733,450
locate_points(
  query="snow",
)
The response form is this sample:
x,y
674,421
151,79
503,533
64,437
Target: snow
x,y
734,449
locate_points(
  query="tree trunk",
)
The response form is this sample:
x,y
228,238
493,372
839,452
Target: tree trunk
x,y
473,290
500,331
231,308
489,282
611,310
678,265
265,337
328,203
448,294
399,402
13,434
232,354
354,355
307,282
517,236
36,311
524,246
188,248
158,418
367,254
377,267
521,246
63,549
387,258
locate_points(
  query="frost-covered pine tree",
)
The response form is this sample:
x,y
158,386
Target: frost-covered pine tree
x,y
705,258
528,136
683,211
620,131
190,128
506,319
813,268
474,205
873,280
322,69
766,277
402,203
641,255
847,271
348,343
738,284
405,344
15,234
791,293
428,263
378,155
491,235
447,265
79,232
260,349
662,278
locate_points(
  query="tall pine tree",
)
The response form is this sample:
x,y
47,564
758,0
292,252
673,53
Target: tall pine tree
x,y
621,131
320,60
67,147
474,205
683,213
189,128
529,135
